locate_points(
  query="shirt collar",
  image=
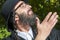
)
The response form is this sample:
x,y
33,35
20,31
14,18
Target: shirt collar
x,y
23,34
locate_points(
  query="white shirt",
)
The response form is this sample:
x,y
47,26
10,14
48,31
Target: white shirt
x,y
26,35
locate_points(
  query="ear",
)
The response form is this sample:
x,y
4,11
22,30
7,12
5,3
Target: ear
x,y
16,18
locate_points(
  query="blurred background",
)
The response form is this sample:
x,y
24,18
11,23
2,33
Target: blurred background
x,y
40,7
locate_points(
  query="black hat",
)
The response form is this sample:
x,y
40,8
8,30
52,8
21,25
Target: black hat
x,y
8,7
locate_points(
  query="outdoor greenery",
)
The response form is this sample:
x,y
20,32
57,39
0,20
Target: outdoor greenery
x,y
40,7
3,30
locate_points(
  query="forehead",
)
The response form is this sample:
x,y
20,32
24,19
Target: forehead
x,y
18,4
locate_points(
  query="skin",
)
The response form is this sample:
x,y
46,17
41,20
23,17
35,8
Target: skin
x,y
44,28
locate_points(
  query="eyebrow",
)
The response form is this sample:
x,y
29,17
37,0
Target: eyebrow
x,y
18,6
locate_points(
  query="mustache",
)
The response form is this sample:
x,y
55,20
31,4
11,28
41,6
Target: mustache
x,y
25,19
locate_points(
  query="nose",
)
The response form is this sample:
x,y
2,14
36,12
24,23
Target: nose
x,y
29,6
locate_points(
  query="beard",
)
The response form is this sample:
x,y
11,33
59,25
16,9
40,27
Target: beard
x,y
27,19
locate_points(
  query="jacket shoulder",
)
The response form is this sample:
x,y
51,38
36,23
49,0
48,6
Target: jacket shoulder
x,y
8,38
54,35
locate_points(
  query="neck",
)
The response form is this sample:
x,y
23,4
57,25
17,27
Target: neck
x,y
23,28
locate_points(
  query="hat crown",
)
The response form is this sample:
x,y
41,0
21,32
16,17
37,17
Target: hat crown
x,y
7,9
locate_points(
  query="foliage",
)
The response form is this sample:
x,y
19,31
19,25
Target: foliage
x,y
40,7
43,7
4,32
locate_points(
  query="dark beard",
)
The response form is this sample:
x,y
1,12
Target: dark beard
x,y
27,20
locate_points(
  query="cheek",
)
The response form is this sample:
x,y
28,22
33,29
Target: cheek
x,y
24,11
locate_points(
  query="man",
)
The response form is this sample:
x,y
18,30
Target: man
x,y
20,21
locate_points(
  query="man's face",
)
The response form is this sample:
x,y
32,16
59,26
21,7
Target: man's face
x,y
22,7
24,13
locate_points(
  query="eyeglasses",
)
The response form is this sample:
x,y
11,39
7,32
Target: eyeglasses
x,y
18,6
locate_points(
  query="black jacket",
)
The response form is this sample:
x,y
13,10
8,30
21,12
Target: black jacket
x,y
54,35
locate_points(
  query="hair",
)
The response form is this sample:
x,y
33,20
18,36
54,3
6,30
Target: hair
x,y
10,22
11,28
